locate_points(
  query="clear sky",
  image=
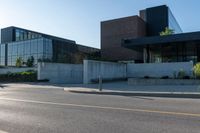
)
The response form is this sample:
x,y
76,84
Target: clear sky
x,y
79,20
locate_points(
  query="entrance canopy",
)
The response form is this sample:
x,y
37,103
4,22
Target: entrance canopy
x,y
169,48
158,40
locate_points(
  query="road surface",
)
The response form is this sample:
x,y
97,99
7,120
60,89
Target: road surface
x,y
32,109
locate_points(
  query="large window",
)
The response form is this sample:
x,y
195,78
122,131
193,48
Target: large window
x,y
21,35
17,35
177,52
173,24
2,54
38,48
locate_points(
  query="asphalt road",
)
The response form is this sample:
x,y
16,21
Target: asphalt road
x,y
32,109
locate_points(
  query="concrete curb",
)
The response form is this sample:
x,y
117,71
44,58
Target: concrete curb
x,y
135,93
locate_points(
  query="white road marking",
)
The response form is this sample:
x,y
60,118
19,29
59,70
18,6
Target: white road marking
x,y
104,107
3,131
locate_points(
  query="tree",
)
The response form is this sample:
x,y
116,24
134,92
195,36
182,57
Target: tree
x,y
30,62
167,31
19,62
79,57
196,70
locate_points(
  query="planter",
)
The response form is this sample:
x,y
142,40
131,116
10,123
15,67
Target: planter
x,y
139,81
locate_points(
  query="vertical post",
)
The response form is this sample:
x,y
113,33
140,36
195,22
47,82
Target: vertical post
x,y
144,55
6,54
148,54
100,83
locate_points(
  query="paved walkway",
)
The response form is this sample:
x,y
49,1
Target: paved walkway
x,y
124,87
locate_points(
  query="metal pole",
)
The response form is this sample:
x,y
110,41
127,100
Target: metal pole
x,y
100,83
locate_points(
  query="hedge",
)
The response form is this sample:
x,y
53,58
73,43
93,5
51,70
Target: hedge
x,y
27,76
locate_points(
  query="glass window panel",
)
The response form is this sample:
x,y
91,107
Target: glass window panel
x,y
40,46
9,61
27,48
29,35
17,34
40,56
20,49
173,24
21,35
14,49
48,46
25,35
2,61
33,46
9,49
2,50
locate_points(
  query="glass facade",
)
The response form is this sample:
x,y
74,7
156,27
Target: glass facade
x,y
24,43
64,52
38,48
2,55
179,52
172,23
21,35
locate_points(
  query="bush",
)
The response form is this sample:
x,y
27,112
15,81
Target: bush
x,y
30,62
27,76
174,74
186,77
196,70
146,77
19,62
165,77
181,74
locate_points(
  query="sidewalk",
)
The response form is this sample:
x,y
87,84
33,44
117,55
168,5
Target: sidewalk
x,y
122,88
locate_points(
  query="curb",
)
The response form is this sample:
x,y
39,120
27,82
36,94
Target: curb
x,y
135,93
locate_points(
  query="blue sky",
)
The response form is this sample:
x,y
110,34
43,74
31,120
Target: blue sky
x,y
79,20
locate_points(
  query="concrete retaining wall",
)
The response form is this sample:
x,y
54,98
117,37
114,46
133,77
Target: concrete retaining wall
x,y
136,81
15,69
158,69
107,70
61,73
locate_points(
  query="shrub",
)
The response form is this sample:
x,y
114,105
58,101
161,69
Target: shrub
x,y
27,76
146,77
181,74
196,70
19,62
167,31
165,77
186,77
30,62
174,75
44,60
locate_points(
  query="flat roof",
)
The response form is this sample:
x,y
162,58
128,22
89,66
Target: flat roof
x,y
154,40
44,35
121,19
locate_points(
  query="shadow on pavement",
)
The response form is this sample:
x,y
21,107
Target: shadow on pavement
x,y
2,86
168,95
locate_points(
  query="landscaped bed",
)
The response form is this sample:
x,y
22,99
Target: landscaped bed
x,y
157,81
27,76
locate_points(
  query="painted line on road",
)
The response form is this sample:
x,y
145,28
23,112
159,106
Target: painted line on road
x,y
1,131
104,107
